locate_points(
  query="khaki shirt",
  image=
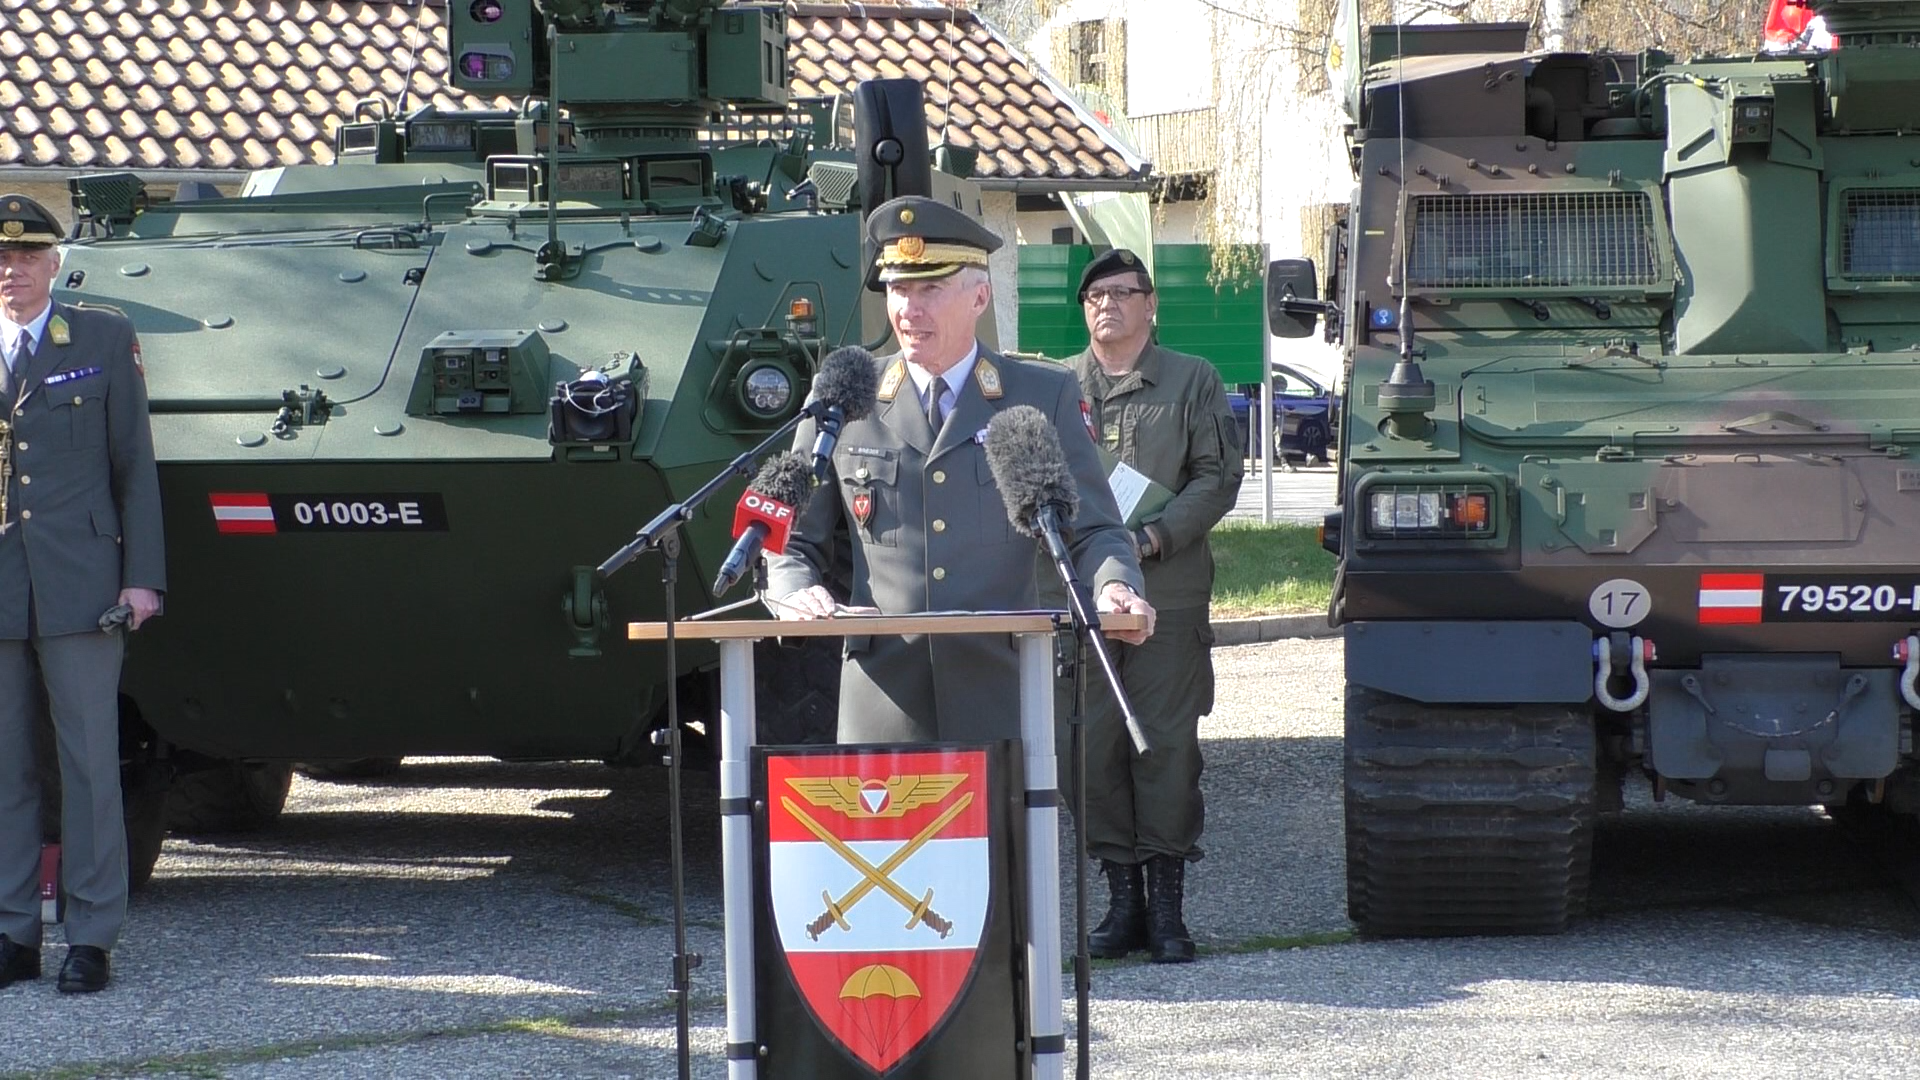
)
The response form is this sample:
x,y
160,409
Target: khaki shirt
x,y
1169,418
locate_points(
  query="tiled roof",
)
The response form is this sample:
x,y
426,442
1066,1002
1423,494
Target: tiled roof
x,y
247,84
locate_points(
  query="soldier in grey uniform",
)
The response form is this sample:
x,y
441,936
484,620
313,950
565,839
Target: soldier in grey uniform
x,y
1164,414
81,521
911,493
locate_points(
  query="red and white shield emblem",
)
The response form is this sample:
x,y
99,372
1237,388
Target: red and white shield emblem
x,y
879,875
862,507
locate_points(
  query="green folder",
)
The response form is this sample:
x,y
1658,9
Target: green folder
x,y
1139,496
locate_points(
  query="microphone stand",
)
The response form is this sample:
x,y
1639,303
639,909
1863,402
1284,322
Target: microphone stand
x,y
663,533
1086,617
1082,951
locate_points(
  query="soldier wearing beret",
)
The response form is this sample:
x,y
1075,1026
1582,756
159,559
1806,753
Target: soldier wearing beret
x,y
911,494
79,539
1164,414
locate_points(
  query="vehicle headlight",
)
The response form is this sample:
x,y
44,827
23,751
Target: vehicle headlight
x,y
1418,511
766,390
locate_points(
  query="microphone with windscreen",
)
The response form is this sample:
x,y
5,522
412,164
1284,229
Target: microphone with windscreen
x,y
1030,469
845,389
764,517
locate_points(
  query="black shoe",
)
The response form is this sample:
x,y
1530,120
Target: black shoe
x,y
86,970
1124,930
18,962
1167,938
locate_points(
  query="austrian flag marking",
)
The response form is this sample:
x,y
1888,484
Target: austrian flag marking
x,y
247,512
1731,599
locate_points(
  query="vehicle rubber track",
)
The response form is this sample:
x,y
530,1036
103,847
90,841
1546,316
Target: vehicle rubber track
x,y
1466,819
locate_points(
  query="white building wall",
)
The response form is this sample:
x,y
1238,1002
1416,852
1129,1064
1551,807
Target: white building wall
x,y
1004,265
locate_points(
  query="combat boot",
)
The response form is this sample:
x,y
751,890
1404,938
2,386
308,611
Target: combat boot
x,y
1124,930
1167,937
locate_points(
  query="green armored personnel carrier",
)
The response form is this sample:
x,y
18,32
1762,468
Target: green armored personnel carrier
x,y
1628,476
405,404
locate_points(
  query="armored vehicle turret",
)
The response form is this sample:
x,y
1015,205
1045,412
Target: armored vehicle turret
x,y
405,404
1627,475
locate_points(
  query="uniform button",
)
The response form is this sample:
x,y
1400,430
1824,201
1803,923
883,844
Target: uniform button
x,y
26,479
939,477
861,473
939,525
26,515
77,399
23,446
939,573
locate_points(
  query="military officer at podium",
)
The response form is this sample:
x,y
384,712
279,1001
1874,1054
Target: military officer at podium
x,y
911,493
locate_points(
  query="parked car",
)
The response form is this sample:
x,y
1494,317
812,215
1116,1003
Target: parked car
x,y
1309,413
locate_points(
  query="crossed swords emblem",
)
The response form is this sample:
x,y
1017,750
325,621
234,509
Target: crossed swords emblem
x,y
878,877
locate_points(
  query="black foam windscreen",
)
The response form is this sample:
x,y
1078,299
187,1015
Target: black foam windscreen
x,y
785,478
848,379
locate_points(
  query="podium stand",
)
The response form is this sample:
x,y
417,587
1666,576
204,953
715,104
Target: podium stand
x,y
1033,632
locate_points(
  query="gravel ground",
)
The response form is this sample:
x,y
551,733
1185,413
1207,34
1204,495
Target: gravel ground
x,y
472,918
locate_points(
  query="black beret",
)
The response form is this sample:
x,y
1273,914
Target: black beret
x,y
1109,263
25,223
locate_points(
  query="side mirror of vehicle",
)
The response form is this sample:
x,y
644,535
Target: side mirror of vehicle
x,y
1294,306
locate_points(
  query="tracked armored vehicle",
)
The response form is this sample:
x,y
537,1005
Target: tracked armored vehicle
x,y
1628,477
405,404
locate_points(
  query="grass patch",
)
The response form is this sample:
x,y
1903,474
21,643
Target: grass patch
x,y
1269,570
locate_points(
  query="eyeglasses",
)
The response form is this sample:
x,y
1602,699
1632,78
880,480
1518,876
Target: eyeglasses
x,y
1117,294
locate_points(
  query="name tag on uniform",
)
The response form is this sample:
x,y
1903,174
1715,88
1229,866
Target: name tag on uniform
x,y
68,376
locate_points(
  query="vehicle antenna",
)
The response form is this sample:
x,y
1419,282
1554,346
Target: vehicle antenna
x,y
1407,395
551,258
953,60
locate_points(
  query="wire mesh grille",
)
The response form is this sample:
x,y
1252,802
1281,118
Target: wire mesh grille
x,y
1593,239
1881,238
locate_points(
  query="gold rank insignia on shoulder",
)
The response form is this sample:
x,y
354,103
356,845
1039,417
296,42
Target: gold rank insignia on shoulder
x,y
890,385
988,377
57,331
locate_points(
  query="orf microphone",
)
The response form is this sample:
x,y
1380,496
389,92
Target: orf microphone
x,y
844,390
764,517
1030,469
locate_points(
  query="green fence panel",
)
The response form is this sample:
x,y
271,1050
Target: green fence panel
x,y
1223,324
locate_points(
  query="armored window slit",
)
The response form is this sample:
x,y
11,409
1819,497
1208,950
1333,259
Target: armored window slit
x,y
1579,240
1880,237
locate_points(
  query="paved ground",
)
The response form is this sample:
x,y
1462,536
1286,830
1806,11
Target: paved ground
x,y
488,920
1301,496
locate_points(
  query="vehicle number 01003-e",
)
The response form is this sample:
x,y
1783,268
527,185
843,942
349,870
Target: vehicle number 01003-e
x,y
424,512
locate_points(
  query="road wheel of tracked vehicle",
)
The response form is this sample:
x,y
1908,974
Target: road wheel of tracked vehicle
x,y
1466,819
230,797
366,768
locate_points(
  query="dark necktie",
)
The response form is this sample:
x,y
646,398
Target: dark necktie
x,y
936,403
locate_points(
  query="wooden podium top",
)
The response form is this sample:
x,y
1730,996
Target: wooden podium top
x,y
992,622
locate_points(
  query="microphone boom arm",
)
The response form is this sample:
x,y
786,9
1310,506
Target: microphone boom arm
x,y
1086,617
678,513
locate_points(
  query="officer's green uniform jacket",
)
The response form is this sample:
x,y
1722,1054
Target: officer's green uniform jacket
x,y
83,505
929,532
1169,418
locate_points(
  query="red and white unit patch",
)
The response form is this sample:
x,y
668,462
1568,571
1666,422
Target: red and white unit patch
x,y
879,875
1731,599
246,512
